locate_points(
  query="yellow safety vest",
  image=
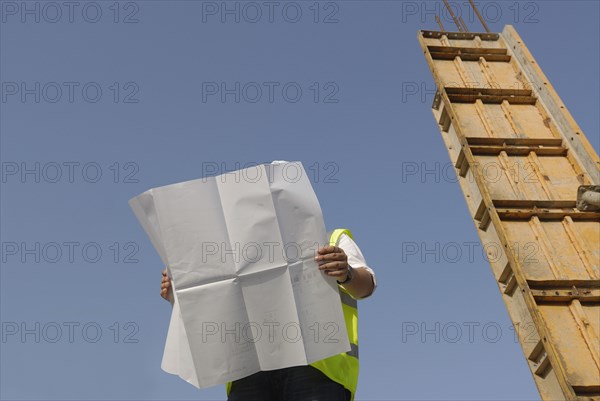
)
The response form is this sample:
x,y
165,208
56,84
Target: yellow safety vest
x,y
341,368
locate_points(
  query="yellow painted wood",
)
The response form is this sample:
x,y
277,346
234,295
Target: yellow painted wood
x,y
520,158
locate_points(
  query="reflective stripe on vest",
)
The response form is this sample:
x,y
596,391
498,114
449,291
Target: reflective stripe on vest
x,y
341,368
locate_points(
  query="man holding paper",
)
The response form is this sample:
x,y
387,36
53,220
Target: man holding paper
x,y
332,379
259,302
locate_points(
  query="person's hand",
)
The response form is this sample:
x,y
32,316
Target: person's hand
x,y
165,286
333,261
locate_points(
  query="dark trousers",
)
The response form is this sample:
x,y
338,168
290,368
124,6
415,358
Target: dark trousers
x,y
298,383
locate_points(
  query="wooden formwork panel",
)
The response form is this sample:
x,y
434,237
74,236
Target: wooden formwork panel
x,y
555,250
528,177
525,121
574,328
520,158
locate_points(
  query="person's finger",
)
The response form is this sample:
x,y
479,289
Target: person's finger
x,y
335,273
331,257
164,272
328,249
337,265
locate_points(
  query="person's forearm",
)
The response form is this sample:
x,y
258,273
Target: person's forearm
x,y
361,284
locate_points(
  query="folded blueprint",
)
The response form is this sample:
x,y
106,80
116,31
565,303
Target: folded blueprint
x,y
248,295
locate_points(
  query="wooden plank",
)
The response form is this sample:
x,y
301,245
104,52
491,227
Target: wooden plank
x,y
518,150
460,35
508,280
514,141
540,284
529,203
490,95
520,177
494,99
470,56
573,332
525,214
568,127
587,392
472,50
566,295
488,91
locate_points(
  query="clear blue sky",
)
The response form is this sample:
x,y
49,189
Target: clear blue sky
x,y
157,122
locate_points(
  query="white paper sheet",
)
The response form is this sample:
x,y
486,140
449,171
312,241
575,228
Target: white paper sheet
x,y
248,295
